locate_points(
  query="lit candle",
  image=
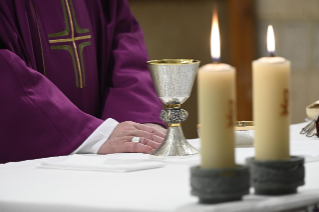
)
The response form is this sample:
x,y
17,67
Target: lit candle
x,y
271,104
216,99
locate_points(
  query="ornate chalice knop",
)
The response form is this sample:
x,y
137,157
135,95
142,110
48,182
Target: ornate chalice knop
x,y
173,80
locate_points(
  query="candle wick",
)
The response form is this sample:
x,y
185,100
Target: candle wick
x,y
215,60
272,54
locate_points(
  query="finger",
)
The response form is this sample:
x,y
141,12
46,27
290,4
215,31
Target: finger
x,y
150,136
161,130
157,127
150,143
149,129
136,147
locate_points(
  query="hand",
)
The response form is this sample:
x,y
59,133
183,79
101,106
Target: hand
x,y
158,127
120,139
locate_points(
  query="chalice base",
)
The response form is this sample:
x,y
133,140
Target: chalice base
x,y
175,144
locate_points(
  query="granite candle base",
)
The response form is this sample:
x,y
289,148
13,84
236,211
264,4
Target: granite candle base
x,y
276,177
219,185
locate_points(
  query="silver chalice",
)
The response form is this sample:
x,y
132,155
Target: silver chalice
x,y
173,80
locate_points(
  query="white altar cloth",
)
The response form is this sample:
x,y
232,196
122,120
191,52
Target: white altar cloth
x,y
25,188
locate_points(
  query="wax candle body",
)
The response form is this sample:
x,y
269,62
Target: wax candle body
x,y
271,108
216,98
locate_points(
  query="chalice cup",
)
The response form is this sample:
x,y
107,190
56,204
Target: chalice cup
x,y
173,80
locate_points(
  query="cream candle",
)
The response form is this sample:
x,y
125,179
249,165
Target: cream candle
x,y
216,96
216,101
271,104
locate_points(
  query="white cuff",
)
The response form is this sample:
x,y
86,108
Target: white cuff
x,y
94,142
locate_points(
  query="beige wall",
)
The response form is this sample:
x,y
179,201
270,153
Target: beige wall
x,y
179,29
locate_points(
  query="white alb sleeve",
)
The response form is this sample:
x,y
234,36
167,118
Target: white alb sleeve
x,y
94,142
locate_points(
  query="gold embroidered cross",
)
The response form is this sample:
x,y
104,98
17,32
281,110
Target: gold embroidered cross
x,y
68,12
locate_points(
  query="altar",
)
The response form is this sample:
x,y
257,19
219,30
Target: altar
x,y
25,187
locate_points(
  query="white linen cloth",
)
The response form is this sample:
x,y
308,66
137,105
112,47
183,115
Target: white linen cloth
x,y
29,189
244,138
100,163
261,203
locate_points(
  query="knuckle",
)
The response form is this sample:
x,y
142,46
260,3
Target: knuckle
x,y
143,140
149,128
127,128
152,130
153,137
149,136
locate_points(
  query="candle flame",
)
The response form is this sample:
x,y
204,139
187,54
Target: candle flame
x,y
270,40
214,38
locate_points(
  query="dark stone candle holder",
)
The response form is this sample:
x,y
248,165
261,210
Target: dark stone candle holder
x,y
276,177
219,185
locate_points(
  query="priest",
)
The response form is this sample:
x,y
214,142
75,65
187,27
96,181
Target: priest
x,y
73,79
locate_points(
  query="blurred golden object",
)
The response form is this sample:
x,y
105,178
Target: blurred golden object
x,y
240,126
312,110
244,125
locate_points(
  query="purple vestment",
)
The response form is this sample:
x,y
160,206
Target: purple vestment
x,y
65,66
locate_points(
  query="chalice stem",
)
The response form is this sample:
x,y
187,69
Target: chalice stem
x,y
175,144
